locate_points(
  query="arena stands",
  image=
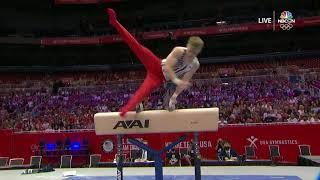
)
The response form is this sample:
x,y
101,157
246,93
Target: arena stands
x,y
244,93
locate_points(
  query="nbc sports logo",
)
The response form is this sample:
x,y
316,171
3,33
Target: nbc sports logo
x,y
286,20
286,15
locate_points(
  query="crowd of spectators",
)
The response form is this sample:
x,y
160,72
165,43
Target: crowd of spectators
x,y
260,99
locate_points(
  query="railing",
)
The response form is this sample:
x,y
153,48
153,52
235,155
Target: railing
x,y
129,83
54,131
280,56
220,126
268,124
24,84
197,81
13,87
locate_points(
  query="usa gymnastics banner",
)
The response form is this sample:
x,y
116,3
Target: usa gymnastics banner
x,y
287,136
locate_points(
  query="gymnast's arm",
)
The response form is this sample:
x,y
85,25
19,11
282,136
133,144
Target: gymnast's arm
x,y
171,60
187,77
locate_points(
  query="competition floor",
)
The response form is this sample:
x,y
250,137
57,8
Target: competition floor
x,y
176,173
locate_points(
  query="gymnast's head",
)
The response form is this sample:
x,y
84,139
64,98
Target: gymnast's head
x,y
194,46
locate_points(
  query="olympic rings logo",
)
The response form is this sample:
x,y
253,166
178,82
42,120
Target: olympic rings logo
x,y
286,27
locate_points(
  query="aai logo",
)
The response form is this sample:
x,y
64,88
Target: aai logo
x,y
129,124
286,20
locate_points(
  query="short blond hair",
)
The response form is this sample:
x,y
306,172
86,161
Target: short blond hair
x,y
195,41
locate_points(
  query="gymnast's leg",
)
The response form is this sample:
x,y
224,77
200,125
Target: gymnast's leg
x,y
151,62
149,84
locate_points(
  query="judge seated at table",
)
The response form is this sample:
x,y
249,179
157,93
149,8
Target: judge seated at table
x,y
228,153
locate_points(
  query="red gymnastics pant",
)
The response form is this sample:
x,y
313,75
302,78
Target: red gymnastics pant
x,y
151,62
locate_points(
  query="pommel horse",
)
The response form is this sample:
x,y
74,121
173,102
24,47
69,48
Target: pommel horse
x,y
158,121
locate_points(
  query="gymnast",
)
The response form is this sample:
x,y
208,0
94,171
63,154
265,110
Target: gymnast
x,y
178,67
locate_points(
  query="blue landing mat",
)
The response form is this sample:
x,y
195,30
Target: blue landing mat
x,y
186,177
